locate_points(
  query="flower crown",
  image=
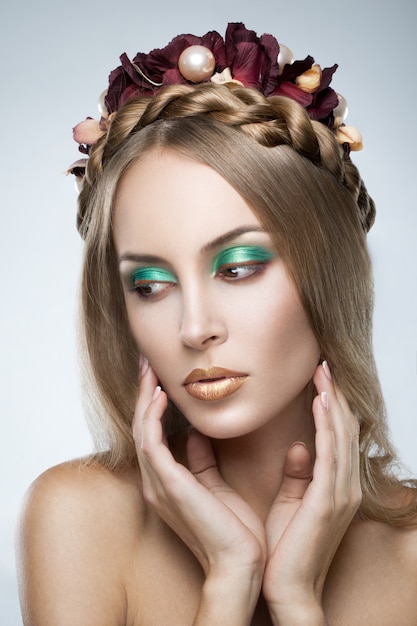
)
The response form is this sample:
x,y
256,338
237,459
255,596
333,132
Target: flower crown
x,y
241,57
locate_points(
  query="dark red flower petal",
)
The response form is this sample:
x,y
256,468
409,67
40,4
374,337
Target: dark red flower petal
x,y
252,60
295,93
215,43
173,77
159,61
117,84
297,68
247,64
322,105
77,171
326,76
236,32
128,66
270,47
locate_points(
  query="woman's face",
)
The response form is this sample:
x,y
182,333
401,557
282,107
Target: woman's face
x,y
208,298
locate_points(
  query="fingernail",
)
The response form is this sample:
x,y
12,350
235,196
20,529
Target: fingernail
x,y
298,443
141,361
324,400
327,370
156,392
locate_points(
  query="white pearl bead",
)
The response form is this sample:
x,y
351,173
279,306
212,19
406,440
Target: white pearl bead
x,y
341,111
196,63
102,109
285,57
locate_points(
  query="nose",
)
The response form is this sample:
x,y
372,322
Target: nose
x,y
202,323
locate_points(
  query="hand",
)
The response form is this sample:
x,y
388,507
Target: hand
x,y
313,508
216,524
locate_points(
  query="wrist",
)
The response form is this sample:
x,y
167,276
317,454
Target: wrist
x,y
229,599
297,614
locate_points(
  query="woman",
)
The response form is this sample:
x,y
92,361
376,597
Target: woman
x,y
249,478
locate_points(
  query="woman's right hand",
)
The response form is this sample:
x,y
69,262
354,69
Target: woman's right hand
x,y
216,524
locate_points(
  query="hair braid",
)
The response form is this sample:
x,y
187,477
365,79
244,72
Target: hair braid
x,y
272,122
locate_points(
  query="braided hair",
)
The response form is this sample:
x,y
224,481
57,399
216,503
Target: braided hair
x,y
272,122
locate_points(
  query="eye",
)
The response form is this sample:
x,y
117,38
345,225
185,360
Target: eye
x,y
151,283
240,262
237,272
151,291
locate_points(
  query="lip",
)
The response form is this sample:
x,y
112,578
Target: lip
x,y
213,383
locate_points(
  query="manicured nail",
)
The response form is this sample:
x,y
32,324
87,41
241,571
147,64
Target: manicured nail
x,y
298,443
156,392
324,400
327,370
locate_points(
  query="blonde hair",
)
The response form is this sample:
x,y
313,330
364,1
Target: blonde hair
x,y
306,191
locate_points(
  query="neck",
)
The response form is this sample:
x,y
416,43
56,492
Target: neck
x,y
253,464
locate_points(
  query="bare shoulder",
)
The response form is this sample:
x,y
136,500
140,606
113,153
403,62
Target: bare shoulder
x,y
78,530
398,543
83,494
82,481
374,574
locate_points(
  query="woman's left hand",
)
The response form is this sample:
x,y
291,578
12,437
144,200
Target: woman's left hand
x,y
312,510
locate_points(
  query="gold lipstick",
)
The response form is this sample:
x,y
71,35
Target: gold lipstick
x,y
213,383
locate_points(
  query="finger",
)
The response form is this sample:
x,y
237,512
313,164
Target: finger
x,y
147,384
332,414
148,431
324,382
350,493
152,429
295,483
202,462
338,411
297,473
200,453
324,471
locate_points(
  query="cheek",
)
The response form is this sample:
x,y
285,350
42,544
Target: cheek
x,y
151,330
286,335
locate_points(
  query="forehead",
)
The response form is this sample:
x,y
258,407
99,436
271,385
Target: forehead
x,y
165,196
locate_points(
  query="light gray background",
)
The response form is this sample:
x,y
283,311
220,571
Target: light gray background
x,y
55,59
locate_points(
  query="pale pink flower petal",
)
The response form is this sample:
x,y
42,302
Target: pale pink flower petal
x,y
310,80
350,135
87,132
224,77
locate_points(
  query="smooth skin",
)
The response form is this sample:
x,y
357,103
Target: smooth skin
x,y
289,557
249,517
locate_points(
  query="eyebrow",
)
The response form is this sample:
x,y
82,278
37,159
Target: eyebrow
x,y
232,234
208,247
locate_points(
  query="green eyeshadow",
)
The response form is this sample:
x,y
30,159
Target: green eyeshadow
x,y
152,274
238,255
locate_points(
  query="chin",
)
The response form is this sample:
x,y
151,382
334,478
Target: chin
x,y
226,422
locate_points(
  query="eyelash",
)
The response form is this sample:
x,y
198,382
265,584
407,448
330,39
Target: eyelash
x,y
254,267
143,287
153,290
